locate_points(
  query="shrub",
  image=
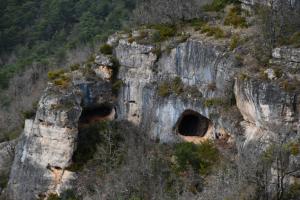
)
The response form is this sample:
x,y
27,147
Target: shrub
x,y
293,192
294,148
52,75
164,89
117,86
294,40
234,42
106,49
28,114
3,180
217,32
94,137
115,67
165,31
68,195
74,67
234,18
177,85
168,87
200,157
53,197
213,102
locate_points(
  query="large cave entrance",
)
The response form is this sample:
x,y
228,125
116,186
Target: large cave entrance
x,y
97,113
192,123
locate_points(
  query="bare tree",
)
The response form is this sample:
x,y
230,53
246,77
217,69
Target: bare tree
x,y
167,11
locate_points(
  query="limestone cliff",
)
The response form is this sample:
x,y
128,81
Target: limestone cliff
x,y
189,91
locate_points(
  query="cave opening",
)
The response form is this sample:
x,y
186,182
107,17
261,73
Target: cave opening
x,y
97,113
192,123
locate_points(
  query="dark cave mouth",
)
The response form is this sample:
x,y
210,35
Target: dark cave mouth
x,y
192,123
97,113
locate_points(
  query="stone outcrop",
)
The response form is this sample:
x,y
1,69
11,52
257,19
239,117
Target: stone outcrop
x,y
47,144
202,83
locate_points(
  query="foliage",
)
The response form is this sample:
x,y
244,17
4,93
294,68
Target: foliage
x,y
218,5
38,31
278,23
74,67
106,49
217,32
52,75
103,135
3,180
53,197
294,40
68,195
117,86
234,18
175,86
59,78
213,102
167,11
200,157
164,31
293,192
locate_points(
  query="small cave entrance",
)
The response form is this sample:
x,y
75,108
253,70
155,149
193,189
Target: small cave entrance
x,y
192,123
97,113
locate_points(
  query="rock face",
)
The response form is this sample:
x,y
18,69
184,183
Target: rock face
x,y
196,63
47,144
191,92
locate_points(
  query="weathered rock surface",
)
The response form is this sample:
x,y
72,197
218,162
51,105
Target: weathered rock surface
x,y
244,111
47,144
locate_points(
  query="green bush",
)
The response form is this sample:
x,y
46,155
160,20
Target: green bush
x,y
106,49
68,195
28,114
294,40
201,157
164,89
74,67
234,42
217,32
235,19
94,136
3,180
53,197
175,86
52,75
165,31
213,102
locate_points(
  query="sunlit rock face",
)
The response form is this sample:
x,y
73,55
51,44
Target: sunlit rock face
x,y
205,99
48,142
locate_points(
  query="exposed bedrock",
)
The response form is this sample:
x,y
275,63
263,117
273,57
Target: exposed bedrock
x,y
47,144
197,63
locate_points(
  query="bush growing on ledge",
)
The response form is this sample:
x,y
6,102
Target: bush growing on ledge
x,y
234,18
165,31
294,40
106,49
234,42
74,67
52,75
59,78
168,87
201,157
217,32
3,180
213,102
